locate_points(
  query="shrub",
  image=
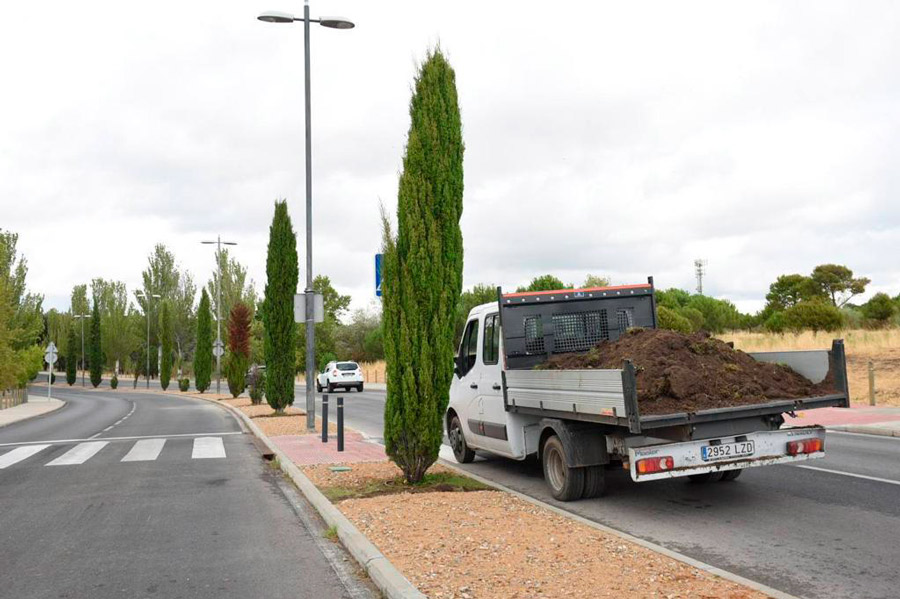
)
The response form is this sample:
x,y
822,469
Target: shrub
x,y
694,316
52,378
114,381
880,308
203,355
257,386
672,320
236,373
184,384
775,323
96,352
71,357
815,315
165,339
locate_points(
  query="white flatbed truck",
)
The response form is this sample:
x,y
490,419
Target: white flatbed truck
x,y
578,423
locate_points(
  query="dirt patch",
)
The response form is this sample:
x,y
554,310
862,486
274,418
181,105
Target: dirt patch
x,y
493,545
384,478
688,373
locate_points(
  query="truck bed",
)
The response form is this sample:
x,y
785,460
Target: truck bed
x,y
610,397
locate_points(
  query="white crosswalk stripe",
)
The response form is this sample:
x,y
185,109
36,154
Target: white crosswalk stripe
x,y
20,453
79,454
208,447
145,450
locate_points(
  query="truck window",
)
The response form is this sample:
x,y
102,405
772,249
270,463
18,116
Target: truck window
x,y
491,345
578,331
469,347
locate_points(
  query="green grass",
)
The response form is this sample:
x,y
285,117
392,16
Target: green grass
x,y
432,483
331,534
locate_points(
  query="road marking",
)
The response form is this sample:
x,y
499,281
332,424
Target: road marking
x,y
119,421
208,447
145,450
71,441
875,478
20,453
832,431
79,454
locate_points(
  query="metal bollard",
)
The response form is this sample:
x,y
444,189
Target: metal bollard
x,y
871,383
340,423
325,418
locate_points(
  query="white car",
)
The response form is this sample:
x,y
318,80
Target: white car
x,y
340,374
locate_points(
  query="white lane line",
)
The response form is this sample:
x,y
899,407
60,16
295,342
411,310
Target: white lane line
x,y
71,441
119,421
145,450
20,453
208,447
875,478
79,454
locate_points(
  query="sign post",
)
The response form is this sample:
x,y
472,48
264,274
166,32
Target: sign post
x,y
50,358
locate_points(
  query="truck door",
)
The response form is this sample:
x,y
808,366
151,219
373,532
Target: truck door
x,y
490,391
464,390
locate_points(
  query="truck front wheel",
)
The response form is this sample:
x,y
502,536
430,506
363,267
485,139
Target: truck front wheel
x,y
461,450
565,483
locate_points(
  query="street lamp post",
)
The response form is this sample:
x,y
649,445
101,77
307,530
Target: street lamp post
x,y
219,243
82,317
147,299
333,23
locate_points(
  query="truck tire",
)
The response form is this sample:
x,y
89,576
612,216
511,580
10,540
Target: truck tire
x,y
706,477
461,450
565,483
730,475
594,482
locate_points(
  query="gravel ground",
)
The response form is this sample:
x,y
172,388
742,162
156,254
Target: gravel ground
x,y
489,544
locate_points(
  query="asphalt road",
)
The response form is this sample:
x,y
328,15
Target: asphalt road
x,y
146,495
810,533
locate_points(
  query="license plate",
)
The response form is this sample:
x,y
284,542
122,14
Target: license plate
x,y
351,374
726,451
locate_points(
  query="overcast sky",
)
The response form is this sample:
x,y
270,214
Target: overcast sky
x,y
619,139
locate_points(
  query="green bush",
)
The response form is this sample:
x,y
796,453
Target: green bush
x,y
114,381
184,384
257,387
775,323
814,315
671,320
879,309
52,378
694,316
236,373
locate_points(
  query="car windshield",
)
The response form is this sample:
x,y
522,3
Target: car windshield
x,y
347,366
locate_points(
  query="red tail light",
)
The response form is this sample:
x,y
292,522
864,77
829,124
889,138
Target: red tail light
x,y
335,373
805,446
651,465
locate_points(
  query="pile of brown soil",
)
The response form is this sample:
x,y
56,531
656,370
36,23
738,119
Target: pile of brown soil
x,y
688,373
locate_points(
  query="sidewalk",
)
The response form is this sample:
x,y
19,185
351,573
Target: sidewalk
x,y
36,406
870,420
307,450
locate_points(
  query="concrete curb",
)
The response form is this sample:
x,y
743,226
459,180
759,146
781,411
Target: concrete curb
x,y
63,403
774,593
864,429
386,577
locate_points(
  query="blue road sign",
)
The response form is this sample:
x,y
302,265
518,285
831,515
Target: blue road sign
x,y
379,260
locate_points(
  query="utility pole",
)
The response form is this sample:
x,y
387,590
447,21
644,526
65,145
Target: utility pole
x,y
220,348
147,297
700,266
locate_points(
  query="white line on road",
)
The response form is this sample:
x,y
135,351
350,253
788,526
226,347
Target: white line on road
x,y
119,421
208,447
875,478
70,441
79,454
145,450
20,453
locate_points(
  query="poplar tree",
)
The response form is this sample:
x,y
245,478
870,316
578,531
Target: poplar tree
x,y
165,339
203,355
71,357
282,272
96,351
423,272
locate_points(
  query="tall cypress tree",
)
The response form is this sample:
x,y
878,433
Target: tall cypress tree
x,y
423,272
96,352
71,357
165,339
282,273
203,354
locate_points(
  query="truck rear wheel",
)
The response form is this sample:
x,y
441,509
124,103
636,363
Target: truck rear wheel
x,y
730,475
706,477
461,450
565,483
594,482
